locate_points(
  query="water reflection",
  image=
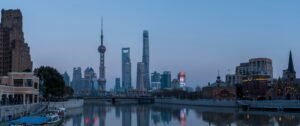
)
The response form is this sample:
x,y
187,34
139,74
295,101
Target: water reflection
x,y
170,115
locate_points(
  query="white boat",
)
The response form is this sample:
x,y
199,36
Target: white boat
x,y
54,120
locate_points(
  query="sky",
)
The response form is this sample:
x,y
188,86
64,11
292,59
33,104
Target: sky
x,y
200,37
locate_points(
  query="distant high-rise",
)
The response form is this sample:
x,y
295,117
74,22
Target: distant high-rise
x,y
117,84
140,77
155,80
77,81
181,79
66,78
88,80
14,52
101,50
146,59
126,69
166,80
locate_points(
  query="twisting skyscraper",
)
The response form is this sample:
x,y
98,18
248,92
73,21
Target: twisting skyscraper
x,y
102,50
146,59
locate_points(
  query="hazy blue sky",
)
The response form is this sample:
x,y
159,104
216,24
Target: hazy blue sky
x,y
195,36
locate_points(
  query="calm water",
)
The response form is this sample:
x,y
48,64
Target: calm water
x,y
173,115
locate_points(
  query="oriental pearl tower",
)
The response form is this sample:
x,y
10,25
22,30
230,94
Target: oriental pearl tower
x,y
101,50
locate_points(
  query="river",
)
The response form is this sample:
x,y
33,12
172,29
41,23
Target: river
x,y
174,115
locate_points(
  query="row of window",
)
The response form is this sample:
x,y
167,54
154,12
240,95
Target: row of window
x,y
26,82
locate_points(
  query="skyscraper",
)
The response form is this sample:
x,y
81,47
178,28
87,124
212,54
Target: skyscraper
x,y
166,80
126,69
77,81
182,79
155,80
88,80
14,52
140,77
101,50
66,78
146,59
117,84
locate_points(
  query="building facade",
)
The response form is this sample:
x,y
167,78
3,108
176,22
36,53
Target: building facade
x,y
286,87
219,90
14,52
117,85
146,59
140,86
181,76
126,69
66,78
166,80
88,83
255,67
19,88
77,81
155,80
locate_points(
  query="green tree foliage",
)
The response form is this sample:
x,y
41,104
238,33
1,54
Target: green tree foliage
x,y
68,91
52,83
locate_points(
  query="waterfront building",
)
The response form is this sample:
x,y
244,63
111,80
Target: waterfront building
x,y
261,66
66,78
77,81
255,67
146,59
19,88
14,52
140,86
181,79
165,80
255,86
155,80
286,87
126,69
219,90
232,79
101,50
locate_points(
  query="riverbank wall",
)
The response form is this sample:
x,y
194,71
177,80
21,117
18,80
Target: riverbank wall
x,y
69,104
200,102
14,111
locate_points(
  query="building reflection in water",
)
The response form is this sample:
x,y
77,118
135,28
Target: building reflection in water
x,y
146,115
143,115
126,115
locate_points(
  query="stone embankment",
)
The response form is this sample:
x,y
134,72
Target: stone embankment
x,y
10,112
69,104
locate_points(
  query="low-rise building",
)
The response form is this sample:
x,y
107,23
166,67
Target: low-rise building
x,y
19,88
219,90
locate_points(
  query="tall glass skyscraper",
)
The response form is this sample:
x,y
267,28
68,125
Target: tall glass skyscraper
x,y
126,69
146,59
140,77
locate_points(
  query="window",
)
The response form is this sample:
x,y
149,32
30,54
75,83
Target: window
x,y
35,85
18,82
28,83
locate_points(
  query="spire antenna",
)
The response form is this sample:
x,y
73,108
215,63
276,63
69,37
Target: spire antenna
x,y
101,30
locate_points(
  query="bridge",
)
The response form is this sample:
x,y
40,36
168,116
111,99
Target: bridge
x,y
119,99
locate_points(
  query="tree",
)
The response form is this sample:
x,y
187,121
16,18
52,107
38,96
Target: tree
x,y
52,83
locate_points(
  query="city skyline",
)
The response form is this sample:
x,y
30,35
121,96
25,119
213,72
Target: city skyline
x,y
199,45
